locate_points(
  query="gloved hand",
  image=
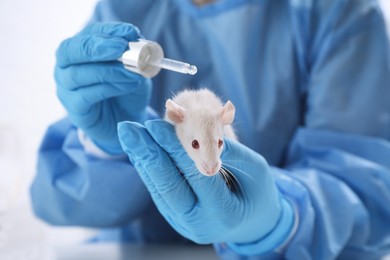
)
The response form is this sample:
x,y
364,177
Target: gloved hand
x,y
95,89
202,208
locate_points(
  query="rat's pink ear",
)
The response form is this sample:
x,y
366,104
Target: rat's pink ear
x,y
174,112
227,113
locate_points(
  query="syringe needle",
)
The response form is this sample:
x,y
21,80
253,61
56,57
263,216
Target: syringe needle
x,y
175,65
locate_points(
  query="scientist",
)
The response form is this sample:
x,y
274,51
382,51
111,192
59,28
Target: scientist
x,y
310,80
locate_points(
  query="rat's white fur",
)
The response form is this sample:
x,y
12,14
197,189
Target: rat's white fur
x,y
200,115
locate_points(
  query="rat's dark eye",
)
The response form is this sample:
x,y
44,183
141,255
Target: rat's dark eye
x,y
220,143
195,144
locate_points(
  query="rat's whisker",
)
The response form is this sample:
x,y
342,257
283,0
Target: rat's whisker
x,y
226,178
243,174
229,176
230,180
239,171
239,161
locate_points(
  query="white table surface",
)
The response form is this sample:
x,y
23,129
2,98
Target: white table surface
x,y
133,252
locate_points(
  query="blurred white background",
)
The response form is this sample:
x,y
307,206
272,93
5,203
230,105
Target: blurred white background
x,y
30,33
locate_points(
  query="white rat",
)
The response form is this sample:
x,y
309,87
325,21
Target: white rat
x,y
201,121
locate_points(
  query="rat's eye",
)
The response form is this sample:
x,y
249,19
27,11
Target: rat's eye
x,y
220,143
195,144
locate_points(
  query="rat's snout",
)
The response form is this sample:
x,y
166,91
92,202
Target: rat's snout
x,y
213,169
210,168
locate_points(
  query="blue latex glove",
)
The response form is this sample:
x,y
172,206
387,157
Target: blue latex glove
x,y
202,208
95,89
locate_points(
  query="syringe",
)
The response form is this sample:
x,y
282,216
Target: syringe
x,y
147,58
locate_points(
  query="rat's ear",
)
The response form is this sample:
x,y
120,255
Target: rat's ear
x,y
174,112
227,113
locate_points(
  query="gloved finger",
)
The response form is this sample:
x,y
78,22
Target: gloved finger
x,y
211,190
97,42
126,31
82,75
80,101
90,48
168,188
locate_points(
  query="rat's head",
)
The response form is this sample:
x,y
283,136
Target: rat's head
x,y
201,133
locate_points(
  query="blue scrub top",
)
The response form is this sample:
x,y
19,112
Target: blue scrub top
x,y
311,84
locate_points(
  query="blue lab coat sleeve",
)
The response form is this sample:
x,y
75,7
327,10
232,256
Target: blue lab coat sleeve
x,y
337,170
76,182
73,188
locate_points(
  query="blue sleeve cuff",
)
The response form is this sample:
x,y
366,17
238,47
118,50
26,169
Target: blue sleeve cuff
x,y
276,239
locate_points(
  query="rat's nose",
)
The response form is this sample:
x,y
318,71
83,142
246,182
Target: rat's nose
x,y
211,172
212,169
